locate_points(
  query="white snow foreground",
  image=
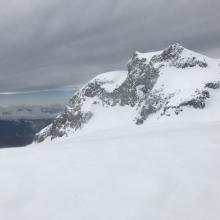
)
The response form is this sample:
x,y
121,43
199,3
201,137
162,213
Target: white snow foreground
x,y
158,171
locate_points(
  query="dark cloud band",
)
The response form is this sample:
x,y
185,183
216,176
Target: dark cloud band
x,y
53,43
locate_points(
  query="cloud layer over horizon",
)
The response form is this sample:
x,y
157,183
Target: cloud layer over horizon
x,y
53,43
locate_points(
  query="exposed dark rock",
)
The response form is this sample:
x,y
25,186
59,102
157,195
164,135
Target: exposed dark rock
x,y
173,51
191,62
152,104
198,101
70,118
213,85
173,55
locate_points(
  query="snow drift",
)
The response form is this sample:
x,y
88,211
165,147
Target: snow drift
x,y
155,171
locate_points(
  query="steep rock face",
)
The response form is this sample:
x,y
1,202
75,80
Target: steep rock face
x,y
163,82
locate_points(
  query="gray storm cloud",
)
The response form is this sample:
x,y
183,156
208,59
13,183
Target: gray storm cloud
x,y
53,43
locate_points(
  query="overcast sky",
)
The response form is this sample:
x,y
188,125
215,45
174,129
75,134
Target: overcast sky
x,y
53,43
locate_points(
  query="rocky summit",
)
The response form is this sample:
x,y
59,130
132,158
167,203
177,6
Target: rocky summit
x,y
156,84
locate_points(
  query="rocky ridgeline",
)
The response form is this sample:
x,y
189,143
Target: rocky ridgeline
x,y
172,55
137,91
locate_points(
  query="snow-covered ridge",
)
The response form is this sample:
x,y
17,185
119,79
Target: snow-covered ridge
x,y
111,80
156,85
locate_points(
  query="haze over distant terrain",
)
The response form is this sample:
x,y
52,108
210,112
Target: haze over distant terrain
x,y
41,97
53,43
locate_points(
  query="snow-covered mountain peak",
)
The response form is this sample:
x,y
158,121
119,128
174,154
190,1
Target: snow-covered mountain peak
x,y
172,51
174,55
156,85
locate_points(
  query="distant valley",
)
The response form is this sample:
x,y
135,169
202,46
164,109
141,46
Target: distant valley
x,y
21,132
19,124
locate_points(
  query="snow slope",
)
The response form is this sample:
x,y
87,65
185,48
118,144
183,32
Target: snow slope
x,y
158,171
111,80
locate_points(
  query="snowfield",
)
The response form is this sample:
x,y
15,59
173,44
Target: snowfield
x,y
157,171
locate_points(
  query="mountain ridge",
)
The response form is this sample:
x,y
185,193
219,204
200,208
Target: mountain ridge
x,y
159,83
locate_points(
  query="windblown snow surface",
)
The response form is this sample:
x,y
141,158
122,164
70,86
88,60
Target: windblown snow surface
x,y
113,169
158,171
